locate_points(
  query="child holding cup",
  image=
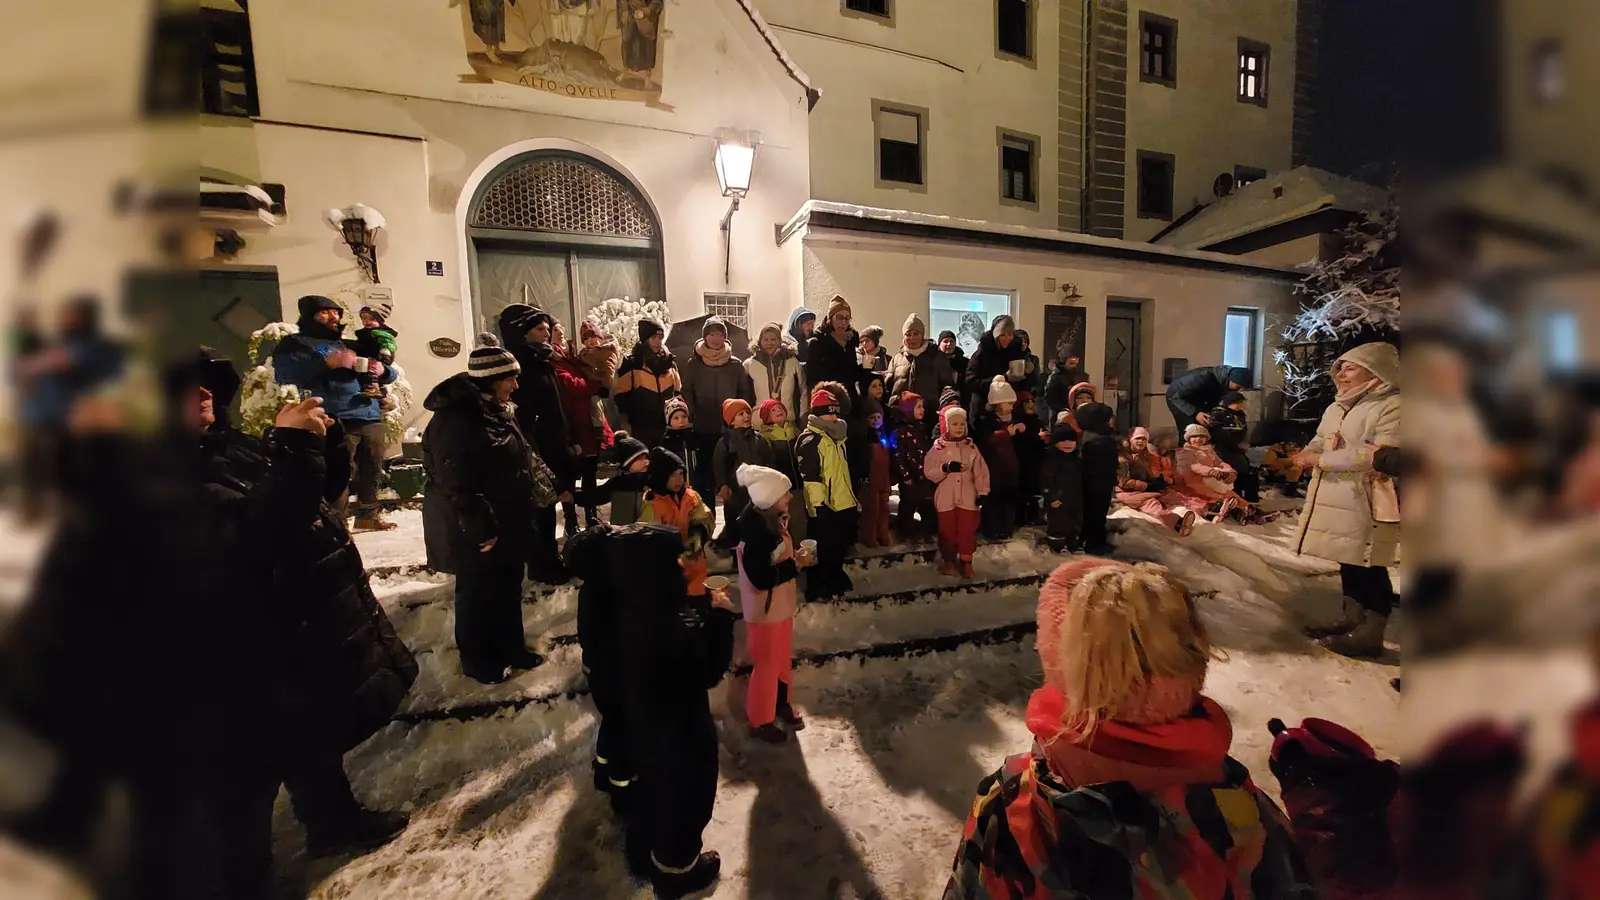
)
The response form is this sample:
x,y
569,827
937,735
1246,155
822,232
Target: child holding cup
x,y
769,569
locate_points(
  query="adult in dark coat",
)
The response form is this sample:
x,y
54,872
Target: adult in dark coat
x,y
997,350
832,354
919,368
1192,395
1067,373
711,376
647,378
527,332
661,650
802,324
484,488
958,359
1097,452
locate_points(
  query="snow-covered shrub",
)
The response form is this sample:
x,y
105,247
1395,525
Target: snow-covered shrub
x,y
619,318
261,396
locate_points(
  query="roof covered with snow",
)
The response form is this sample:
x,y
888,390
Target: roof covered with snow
x,y
813,93
849,216
1273,200
1524,202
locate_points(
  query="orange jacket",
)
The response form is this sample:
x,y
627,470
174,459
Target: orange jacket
x,y
694,521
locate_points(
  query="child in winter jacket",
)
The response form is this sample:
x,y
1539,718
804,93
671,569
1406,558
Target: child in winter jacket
x,y
1097,449
997,430
679,436
1029,444
1129,790
768,578
625,490
917,517
830,500
778,433
962,478
862,434
1229,431
1062,480
670,501
739,445
375,340
875,498
1203,478
1146,482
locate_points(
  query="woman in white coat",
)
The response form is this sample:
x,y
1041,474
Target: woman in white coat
x,y
1352,513
774,371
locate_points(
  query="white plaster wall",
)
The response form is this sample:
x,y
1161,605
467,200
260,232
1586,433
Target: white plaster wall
x,y
718,74
855,60
1201,121
886,280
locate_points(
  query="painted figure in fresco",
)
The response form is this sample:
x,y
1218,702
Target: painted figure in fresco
x,y
489,24
569,21
640,21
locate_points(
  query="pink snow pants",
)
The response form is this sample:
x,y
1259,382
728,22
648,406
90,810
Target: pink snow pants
x,y
772,652
958,534
1157,506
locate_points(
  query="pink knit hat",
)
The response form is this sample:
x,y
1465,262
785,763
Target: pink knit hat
x,y
1162,699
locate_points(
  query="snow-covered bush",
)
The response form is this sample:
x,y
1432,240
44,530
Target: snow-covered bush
x,y
619,318
261,396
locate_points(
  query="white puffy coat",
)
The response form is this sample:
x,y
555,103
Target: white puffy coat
x,y
1337,522
787,376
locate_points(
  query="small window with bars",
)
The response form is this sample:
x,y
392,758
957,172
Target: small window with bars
x,y
1158,49
732,308
1253,57
1017,176
883,9
900,145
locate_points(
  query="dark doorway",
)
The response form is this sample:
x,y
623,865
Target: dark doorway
x,y
1120,385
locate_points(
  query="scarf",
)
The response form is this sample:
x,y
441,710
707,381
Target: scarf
x,y
865,360
541,352
713,357
836,429
914,353
1349,397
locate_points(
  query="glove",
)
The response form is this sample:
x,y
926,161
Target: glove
x,y
1157,484
951,467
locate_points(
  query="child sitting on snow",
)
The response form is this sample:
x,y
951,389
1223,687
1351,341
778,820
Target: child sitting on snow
x,y
1062,480
962,477
670,501
917,516
875,498
1030,447
1278,466
769,572
1129,767
739,445
1146,482
1205,480
996,430
1097,450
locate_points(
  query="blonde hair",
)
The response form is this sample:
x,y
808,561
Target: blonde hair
x,y
1123,628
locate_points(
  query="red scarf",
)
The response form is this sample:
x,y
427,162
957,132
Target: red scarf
x,y
1186,750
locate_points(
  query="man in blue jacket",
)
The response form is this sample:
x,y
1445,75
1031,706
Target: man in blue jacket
x,y
321,364
1192,395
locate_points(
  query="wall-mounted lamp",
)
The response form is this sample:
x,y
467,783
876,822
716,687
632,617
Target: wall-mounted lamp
x,y
735,159
359,224
1069,293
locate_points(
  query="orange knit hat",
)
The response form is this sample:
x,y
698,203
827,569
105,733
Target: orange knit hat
x,y
732,408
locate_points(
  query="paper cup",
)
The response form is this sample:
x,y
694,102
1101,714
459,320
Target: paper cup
x,y
1019,367
716,582
809,546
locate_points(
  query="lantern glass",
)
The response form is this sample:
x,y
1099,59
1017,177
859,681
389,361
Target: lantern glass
x,y
734,165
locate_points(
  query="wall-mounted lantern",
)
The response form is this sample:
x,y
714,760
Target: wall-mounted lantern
x,y
359,224
735,159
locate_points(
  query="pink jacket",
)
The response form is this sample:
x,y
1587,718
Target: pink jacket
x,y
783,602
961,488
1194,473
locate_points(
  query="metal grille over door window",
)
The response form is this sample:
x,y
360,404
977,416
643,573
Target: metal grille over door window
x,y
563,195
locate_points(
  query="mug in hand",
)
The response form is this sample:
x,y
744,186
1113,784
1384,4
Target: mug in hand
x,y
1019,367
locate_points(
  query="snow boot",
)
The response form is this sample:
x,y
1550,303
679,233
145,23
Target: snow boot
x,y
615,784
1186,520
591,517
485,674
1349,617
1099,549
948,568
672,884
363,830
371,521
786,712
966,569
1365,641
526,660
770,733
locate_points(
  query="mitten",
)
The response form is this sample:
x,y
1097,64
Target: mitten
x,y
951,467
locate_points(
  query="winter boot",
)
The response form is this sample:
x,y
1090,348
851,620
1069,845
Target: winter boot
x,y
1349,617
948,568
670,884
484,674
370,521
1365,641
966,569
770,733
365,829
569,518
786,712
1186,520
616,784
591,517
525,660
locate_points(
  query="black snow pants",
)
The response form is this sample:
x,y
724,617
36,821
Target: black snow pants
x,y
916,502
489,614
999,518
1064,523
1368,586
1096,506
1248,484
834,531
676,753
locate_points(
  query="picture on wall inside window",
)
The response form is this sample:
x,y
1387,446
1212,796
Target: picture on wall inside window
x,y
965,312
1064,328
595,49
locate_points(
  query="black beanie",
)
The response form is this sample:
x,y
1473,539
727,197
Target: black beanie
x,y
649,328
625,447
1063,432
663,463
1095,418
311,304
1240,375
947,333
1232,397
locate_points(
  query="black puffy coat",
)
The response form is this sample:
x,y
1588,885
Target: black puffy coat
x,y
335,669
1198,390
541,415
828,360
989,360
484,481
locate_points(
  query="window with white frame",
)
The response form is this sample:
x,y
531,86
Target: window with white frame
x,y
900,132
965,311
1241,339
733,308
1018,168
1561,340
1253,58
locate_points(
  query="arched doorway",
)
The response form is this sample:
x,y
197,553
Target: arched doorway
x,y
563,232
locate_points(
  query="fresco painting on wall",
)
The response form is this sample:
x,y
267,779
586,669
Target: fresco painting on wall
x,y
596,49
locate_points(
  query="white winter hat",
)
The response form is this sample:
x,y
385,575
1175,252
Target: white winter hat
x,y
1196,430
1000,391
765,485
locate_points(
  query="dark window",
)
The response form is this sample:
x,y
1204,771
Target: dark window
x,y
227,64
899,146
1243,175
1549,71
1252,72
1155,185
1011,26
1016,169
1158,49
870,7
172,66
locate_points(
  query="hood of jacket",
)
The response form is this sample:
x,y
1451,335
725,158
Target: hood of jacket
x,y
1186,750
584,552
796,317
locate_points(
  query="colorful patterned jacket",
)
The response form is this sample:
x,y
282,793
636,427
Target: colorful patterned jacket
x,y
1030,837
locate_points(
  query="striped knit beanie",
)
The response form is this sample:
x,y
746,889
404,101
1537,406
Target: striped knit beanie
x,y
490,361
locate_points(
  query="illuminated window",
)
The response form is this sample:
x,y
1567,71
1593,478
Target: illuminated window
x,y
1253,72
1241,333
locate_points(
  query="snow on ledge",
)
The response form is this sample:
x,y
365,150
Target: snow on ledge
x,y
1155,251
813,93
